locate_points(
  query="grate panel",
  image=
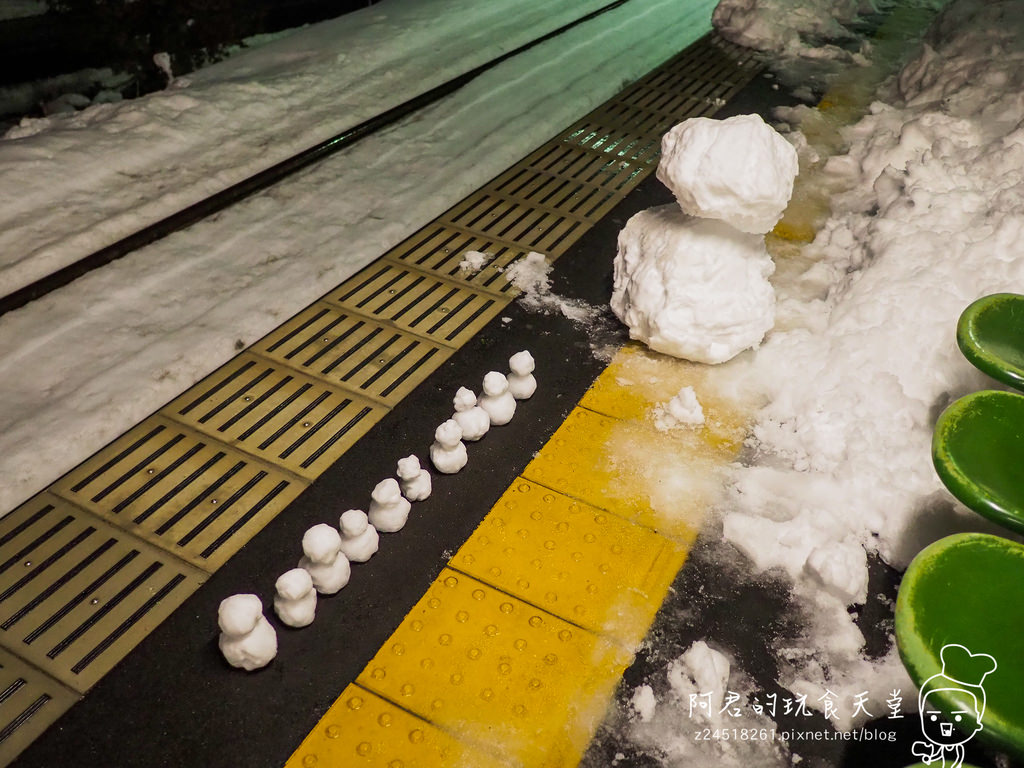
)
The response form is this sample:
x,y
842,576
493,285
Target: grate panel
x,y
29,703
77,594
354,352
531,228
445,312
180,490
273,412
441,250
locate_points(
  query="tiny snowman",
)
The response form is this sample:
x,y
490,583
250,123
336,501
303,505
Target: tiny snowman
x,y
448,453
415,480
295,601
471,417
323,559
388,509
246,638
497,400
521,382
359,539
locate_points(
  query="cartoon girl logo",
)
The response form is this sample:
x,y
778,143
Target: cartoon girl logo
x,y
962,676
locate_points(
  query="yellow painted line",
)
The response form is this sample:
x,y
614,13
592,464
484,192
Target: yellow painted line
x,y
517,647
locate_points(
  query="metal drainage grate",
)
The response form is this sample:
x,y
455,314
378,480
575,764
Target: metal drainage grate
x,y
277,414
441,250
447,312
354,352
77,594
181,491
29,703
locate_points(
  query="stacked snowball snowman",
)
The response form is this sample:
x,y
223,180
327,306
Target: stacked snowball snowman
x,y
691,280
247,640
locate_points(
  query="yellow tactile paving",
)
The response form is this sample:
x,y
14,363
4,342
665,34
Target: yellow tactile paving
x,y
371,731
498,672
575,561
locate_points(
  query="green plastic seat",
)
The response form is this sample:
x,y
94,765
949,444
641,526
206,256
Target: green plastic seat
x,y
991,335
967,589
978,451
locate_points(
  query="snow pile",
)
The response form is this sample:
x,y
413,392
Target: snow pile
x,y
932,221
704,690
737,170
793,27
693,288
682,410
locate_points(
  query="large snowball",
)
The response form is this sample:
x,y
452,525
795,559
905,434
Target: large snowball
x,y
739,170
692,288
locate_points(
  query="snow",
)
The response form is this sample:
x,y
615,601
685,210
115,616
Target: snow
x,y
683,410
84,364
925,219
389,510
692,288
247,639
738,170
496,399
521,381
323,558
295,598
926,193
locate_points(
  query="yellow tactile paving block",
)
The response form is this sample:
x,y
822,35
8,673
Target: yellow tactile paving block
x,y
363,730
495,671
574,560
638,380
576,462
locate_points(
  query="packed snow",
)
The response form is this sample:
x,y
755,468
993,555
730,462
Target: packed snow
x,y
247,640
84,364
683,410
692,288
738,170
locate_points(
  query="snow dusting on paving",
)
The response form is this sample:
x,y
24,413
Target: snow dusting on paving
x,y
84,364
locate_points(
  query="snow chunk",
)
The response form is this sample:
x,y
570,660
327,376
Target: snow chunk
x,y
842,569
739,170
682,410
643,702
692,288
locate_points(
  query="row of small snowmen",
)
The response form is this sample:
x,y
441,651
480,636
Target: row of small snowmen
x,y
248,640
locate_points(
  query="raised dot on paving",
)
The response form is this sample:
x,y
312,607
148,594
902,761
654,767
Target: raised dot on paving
x,y
362,729
600,571
492,663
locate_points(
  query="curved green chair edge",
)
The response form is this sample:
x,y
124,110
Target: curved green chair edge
x,y
958,483
969,339
920,659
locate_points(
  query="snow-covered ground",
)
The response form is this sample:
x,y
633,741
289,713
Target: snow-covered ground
x,y
87,362
927,215
116,167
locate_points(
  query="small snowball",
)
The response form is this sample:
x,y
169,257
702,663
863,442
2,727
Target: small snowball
x,y
473,419
359,539
739,170
692,288
682,410
448,453
322,557
497,400
413,479
521,381
389,510
473,261
247,639
295,601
